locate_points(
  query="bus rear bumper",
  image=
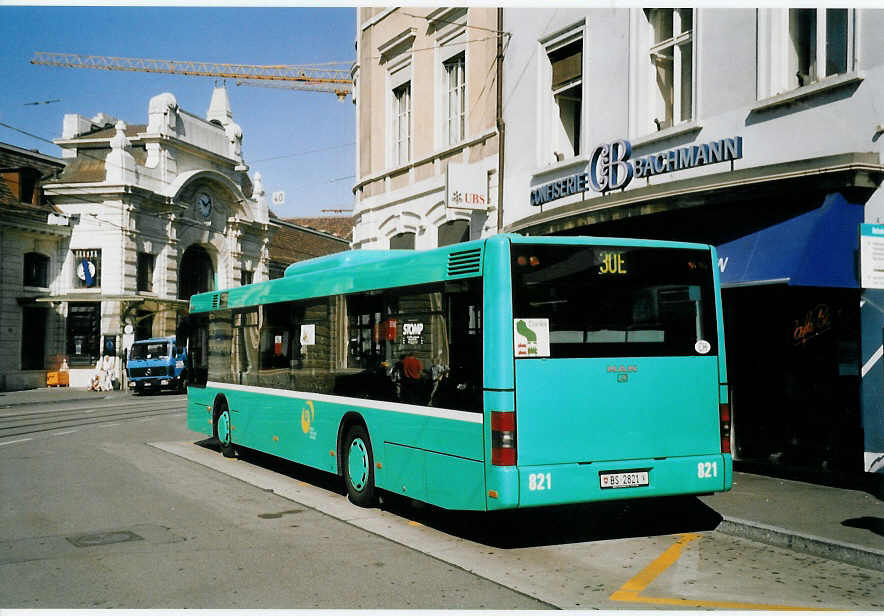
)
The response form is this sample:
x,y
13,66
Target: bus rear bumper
x,y
558,484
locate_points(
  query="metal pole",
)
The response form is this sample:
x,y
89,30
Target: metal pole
x,y
501,129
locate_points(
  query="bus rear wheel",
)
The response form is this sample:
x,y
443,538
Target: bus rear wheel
x,y
359,467
224,432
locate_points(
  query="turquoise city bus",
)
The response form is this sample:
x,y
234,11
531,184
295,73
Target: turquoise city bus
x,y
494,374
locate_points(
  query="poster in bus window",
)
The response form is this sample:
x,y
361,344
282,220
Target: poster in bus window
x,y
308,334
413,332
531,337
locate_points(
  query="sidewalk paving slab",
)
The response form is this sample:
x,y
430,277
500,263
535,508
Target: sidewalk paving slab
x,y
834,523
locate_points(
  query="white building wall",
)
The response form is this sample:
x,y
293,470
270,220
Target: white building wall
x,y
829,118
409,196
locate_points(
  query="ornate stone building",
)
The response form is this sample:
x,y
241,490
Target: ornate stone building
x,y
157,212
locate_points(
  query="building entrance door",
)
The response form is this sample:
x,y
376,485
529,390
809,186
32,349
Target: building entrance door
x,y
196,273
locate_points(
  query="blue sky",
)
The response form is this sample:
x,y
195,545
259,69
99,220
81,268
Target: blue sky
x,y
301,142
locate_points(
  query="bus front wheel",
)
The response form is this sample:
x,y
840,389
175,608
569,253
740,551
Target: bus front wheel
x,y
359,467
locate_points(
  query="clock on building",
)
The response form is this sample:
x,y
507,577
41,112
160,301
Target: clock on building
x,y
204,204
86,272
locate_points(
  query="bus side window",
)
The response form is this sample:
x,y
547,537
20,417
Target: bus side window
x,y
220,349
462,387
197,359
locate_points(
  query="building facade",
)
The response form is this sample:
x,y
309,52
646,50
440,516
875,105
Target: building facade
x,y
33,237
755,130
425,89
156,212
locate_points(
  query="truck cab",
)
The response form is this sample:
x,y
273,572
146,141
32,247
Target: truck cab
x,y
157,364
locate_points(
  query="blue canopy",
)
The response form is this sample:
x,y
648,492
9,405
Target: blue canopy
x,y
815,249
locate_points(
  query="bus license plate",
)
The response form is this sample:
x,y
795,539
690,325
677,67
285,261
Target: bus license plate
x,y
632,479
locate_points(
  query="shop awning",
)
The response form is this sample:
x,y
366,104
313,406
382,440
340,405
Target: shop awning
x,y
816,249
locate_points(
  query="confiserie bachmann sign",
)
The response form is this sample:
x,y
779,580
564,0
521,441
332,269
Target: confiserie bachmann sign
x,y
611,167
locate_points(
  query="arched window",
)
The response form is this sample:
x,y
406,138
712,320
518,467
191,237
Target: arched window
x,y
454,232
36,270
402,241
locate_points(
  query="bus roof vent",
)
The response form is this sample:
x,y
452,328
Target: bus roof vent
x,y
465,262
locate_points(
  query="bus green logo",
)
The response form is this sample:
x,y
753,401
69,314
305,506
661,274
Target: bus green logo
x,y
307,415
530,342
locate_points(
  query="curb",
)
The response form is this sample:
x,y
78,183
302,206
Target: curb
x,y
860,556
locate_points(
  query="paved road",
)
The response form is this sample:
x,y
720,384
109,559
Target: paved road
x,y
113,503
93,517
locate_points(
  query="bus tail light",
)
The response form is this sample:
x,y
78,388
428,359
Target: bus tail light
x,y
503,438
724,416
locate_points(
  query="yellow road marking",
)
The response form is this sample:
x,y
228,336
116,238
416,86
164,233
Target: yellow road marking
x,y
630,592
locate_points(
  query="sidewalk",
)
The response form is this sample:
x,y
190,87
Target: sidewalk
x,y
834,523
839,524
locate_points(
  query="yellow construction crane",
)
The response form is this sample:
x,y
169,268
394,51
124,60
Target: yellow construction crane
x,y
314,77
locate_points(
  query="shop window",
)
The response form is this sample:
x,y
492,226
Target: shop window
x,y
453,232
402,241
36,270
83,333
455,101
33,345
87,268
566,62
145,272
671,53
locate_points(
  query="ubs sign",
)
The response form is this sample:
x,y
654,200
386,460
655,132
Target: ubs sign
x,y
611,167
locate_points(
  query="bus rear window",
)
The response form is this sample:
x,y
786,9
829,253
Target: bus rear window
x,y
616,301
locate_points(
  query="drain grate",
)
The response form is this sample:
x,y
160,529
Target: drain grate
x,y
107,538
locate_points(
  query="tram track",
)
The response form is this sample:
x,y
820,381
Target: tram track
x,y
79,409
93,420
